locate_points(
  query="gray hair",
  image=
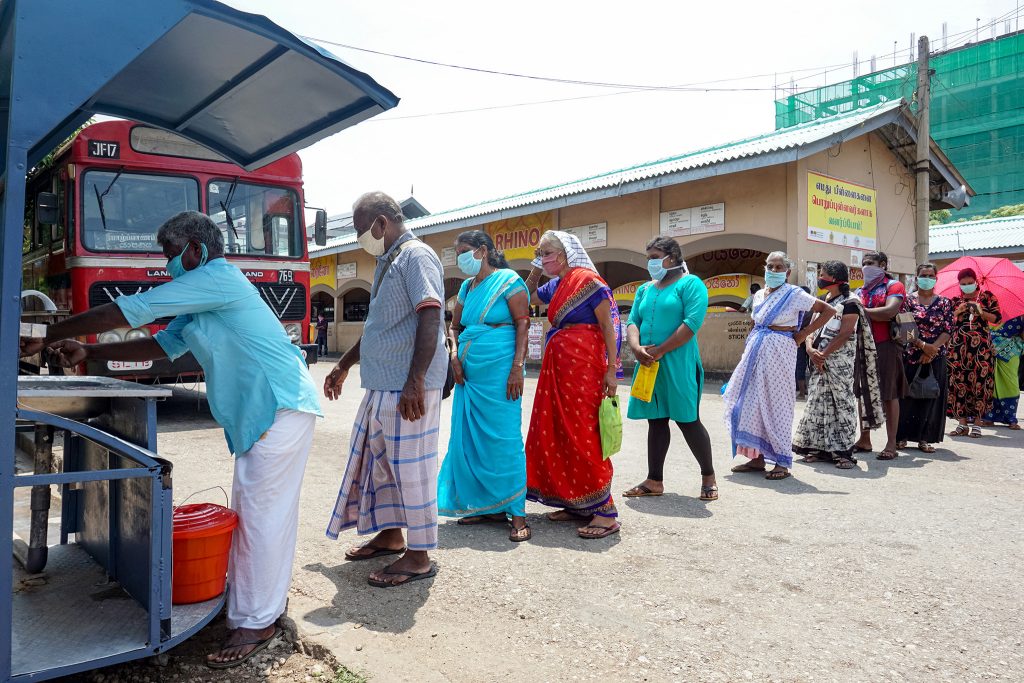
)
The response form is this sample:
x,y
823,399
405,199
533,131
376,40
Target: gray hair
x,y
780,255
192,226
378,204
550,238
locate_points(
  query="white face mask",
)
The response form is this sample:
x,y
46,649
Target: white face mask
x,y
374,246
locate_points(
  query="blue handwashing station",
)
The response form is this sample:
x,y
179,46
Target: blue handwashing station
x,y
90,579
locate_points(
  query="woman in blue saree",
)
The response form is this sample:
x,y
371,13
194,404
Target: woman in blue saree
x,y
483,476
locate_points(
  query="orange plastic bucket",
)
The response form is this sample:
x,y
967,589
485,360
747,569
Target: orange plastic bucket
x,y
202,542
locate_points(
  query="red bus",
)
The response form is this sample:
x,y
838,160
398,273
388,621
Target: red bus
x,y
110,187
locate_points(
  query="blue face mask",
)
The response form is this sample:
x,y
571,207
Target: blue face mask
x,y
469,264
926,283
656,267
969,289
176,270
773,279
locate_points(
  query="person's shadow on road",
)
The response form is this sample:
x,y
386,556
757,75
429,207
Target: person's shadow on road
x,y
670,505
563,536
356,602
789,486
487,537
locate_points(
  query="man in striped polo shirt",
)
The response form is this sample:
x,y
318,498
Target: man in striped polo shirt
x,y
390,482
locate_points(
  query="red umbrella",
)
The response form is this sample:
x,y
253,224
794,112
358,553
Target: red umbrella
x,y
997,275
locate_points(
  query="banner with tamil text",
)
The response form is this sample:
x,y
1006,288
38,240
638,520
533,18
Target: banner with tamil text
x,y
840,212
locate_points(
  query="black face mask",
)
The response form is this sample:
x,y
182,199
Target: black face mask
x,y
825,284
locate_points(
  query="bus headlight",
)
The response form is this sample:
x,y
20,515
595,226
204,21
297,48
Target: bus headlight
x,y
294,332
138,333
109,337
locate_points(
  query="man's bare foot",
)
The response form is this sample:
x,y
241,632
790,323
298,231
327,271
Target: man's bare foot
x,y
240,644
387,542
414,562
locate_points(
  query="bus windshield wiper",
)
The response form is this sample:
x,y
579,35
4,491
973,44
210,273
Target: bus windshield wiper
x,y
227,213
99,197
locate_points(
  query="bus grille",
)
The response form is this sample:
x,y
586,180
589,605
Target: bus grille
x,y
101,293
287,301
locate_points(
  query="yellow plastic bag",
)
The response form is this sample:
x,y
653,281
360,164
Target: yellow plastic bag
x,y
643,384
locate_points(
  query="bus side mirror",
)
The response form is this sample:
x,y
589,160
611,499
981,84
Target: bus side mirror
x,y
46,208
320,228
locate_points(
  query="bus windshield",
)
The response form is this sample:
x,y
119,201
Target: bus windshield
x,y
122,210
257,220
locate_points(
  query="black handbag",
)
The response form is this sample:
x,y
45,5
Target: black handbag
x,y
924,385
449,380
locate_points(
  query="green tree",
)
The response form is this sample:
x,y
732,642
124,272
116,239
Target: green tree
x,y
939,217
1006,211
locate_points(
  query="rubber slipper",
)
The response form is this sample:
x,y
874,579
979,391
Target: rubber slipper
x,y
887,455
748,467
260,646
413,576
709,492
778,475
1015,426
605,531
845,464
515,538
643,492
925,447
861,449
377,552
975,433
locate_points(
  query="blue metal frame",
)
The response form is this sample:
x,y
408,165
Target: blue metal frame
x,y
43,99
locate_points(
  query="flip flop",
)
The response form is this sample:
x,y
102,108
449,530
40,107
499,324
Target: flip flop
x,y
260,646
413,576
887,455
861,449
514,534
925,447
845,464
605,531
709,492
1015,426
748,467
778,475
643,492
377,552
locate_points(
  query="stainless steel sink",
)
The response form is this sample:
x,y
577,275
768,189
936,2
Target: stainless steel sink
x,y
80,398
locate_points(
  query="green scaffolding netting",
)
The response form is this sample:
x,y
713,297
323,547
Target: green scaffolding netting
x,y
977,113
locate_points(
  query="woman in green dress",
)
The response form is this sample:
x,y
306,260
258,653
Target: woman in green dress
x,y
663,325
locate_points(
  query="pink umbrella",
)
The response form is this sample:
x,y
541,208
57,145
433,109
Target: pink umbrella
x,y
997,275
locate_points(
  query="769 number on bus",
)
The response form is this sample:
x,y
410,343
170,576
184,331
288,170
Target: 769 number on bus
x,y
285,276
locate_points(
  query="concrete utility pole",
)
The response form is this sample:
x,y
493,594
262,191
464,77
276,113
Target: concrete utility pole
x,y
923,160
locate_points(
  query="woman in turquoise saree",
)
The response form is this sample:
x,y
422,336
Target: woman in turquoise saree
x,y
483,476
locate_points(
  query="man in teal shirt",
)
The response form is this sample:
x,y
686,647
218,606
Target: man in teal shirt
x,y
259,391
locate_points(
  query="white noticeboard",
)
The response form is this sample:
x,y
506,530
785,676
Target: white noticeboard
x,y
696,220
593,235
346,271
535,340
448,257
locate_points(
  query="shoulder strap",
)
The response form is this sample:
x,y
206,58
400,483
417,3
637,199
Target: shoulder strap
x,y
387,264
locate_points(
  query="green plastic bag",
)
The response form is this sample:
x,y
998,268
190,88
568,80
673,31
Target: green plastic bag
x,y
609,419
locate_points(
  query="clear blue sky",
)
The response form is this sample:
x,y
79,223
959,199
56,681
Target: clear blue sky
x,y
458,159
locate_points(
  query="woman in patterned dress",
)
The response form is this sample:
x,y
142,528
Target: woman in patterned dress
x,y
924,419
971,365
565,467
843,379
1008,344
760,399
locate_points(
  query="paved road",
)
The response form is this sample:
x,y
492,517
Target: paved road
x,y
905,570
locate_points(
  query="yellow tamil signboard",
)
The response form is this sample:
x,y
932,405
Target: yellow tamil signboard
x,y
736,285
321,271
519,237
626,294
841,213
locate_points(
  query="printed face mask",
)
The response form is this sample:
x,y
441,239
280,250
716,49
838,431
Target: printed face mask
x,y
469,264
872,274
175,268
374,246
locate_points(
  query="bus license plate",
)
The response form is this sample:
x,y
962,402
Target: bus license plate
x,y
129,364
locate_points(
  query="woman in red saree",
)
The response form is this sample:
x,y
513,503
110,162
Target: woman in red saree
x,y
564,464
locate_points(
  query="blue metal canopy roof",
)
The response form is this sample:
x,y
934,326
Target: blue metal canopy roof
x,y
232,81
